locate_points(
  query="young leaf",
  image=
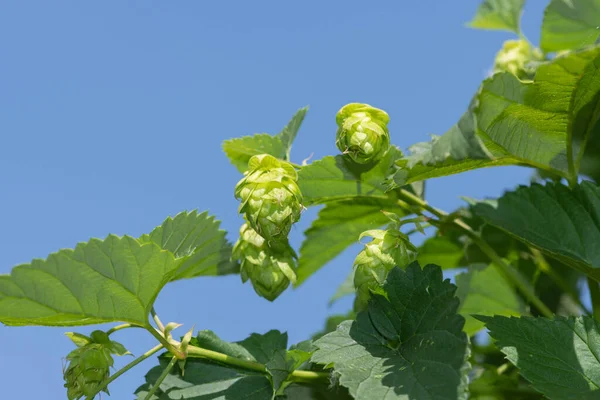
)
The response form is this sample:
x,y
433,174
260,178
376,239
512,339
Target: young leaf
x,y
197,240
441,251
408,345
338,226
483,290
562,223
115,279
499,14
570,24
560,357
240,150
337,178
289,132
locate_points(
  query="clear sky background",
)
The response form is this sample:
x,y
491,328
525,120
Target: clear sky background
x,y
112,116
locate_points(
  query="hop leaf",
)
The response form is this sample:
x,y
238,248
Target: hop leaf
x,y
389,248
362,132
271,199
518,57
269,268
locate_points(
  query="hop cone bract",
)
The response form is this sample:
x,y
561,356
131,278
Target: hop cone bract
x,y
271,199
362,132
517,57
269,268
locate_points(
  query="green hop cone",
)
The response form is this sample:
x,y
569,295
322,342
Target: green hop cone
x,y
518,57
270,197
90,363
389,248
269,268
362,132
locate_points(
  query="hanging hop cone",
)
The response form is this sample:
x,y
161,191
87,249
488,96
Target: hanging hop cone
x,y
89,364
519,58
269,268
362,132
388,249
270,197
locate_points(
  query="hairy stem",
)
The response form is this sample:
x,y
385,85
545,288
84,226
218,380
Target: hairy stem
x,y
161,378
172,346
595,297
125,369
511,274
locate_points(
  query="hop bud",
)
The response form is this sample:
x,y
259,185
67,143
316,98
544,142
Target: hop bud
x,y
389,248
362,132
516,57
269,268
270,196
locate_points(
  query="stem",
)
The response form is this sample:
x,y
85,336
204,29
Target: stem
x,y
123,326
595,296
171,346
157,320
161,378
511,274
125,369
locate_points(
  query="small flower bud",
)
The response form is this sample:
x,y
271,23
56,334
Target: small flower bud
x,y
517,57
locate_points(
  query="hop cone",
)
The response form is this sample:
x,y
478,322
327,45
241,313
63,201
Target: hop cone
x,y
269,268
517,57
362,132
389,248
271,199
89,364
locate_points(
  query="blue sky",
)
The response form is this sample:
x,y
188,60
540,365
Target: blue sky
x,y
112,116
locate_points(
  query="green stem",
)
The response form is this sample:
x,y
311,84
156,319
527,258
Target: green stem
x,y
122,326
161,378
595,296
511,274
157,320
172,346
125,369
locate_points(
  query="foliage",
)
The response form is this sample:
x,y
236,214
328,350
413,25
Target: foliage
x,y
518,260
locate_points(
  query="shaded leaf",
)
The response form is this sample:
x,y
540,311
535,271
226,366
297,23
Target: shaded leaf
x,y
499,14
570,24
319,391
441,251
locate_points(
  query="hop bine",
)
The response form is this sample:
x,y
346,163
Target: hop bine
x,y
269,268
270,197
362,132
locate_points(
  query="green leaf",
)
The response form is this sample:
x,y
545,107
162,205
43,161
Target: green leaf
x,y
332,322
197,240
484,291
337,178
570,24
316,391
560,222
240,150
409,345
338,226
115,279
560,357
499,15
345,289
441,251
289,132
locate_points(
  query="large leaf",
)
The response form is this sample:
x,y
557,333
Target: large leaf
x,y
561,222
115,279
409,345
570,24
337,178
289,132
240,150
535,121
198,241
484,291
337,226
560,357
442,251
499,14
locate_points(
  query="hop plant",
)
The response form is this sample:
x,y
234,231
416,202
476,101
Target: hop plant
x,y
269,268
389,248
517,57
362,132
270,197
89,364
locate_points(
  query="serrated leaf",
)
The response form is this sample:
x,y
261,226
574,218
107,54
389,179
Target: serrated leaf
x,y
560,222
318,391
289,132
442,251
240,150
337,178
484,291
570,24
338,226
196,239
409,345
560,357
115,279
499,15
